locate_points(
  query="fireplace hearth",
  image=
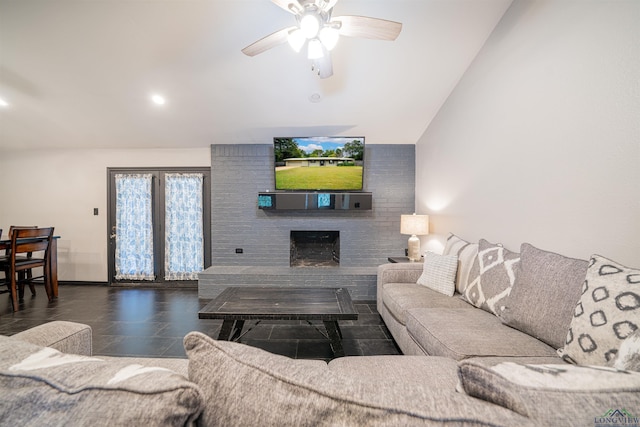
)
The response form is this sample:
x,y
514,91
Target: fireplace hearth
x,y
314,249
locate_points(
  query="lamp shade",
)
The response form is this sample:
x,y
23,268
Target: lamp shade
x,y
417,225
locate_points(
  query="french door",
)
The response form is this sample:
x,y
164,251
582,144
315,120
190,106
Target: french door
x,y
159,224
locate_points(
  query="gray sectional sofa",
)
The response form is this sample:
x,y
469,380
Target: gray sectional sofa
x,y
469,322
491,338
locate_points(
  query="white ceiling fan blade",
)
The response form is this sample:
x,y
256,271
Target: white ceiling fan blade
x,y
292,6
266,43
323,66
368,28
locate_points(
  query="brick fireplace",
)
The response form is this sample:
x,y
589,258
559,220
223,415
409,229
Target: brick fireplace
x,y
366,238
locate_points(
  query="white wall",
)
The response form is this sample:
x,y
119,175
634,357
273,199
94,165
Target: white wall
x,y
60,188
540,140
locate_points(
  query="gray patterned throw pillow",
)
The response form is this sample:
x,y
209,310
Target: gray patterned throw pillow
x,y
554,395
44,387
608,312
492,277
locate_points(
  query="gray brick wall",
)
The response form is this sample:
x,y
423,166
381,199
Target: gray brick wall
x,y
367,238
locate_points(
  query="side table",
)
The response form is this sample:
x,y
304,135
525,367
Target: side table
x,y
400,259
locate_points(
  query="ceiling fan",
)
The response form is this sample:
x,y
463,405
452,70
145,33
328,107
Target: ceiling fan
x,y
320,31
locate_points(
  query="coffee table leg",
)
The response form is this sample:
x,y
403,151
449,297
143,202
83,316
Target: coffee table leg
x,y
334,337
230,327
238,330
226,329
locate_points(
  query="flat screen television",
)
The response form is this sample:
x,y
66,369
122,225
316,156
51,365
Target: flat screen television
x,y
334,163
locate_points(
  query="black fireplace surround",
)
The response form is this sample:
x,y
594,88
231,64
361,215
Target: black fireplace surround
x,y
315,249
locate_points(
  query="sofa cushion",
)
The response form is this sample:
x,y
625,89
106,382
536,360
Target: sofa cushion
x,y
405,371
492,277
249,386
52,388
544,295
556,395
467,253
400,297
607,313
462,333
66,337
439,273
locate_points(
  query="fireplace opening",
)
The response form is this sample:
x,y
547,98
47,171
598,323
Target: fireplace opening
x,y
314,249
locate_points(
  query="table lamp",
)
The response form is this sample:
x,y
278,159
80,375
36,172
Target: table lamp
x,y
415,225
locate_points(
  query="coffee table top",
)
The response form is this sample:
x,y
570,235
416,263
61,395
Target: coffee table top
x,y
281,303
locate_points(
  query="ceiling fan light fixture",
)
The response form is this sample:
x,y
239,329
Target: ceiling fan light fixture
x,y
310,25
329,37
296,40
315,49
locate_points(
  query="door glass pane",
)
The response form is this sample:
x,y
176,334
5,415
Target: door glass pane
x,y
134,227
184,235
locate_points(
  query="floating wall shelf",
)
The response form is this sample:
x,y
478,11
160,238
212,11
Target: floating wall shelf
x,y
358,201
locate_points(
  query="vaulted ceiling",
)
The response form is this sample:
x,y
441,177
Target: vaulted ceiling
x,y
80,73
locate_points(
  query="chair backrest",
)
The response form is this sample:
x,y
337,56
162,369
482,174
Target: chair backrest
x,y
17,227
24,240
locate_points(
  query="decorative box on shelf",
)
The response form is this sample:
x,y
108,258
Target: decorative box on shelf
x,y
314,201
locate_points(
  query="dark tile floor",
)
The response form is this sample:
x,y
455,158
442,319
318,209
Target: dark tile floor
x,y
152,322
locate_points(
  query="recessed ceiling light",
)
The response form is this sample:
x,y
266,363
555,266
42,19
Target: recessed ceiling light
x,y
158,99
3,103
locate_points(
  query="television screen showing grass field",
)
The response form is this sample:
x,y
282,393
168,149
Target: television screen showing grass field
x,y
319,163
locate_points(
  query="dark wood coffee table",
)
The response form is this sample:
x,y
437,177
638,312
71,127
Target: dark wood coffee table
x,y
239,303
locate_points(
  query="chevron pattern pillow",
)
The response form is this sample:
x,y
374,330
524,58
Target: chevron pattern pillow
x,y
492,277
466,253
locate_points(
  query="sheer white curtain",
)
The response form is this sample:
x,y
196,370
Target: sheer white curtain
x,y
184,234
134,227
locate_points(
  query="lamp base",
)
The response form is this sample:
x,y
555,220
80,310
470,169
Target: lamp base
x,y
414,248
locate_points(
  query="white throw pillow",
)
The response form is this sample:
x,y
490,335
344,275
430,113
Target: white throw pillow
x,y
439,273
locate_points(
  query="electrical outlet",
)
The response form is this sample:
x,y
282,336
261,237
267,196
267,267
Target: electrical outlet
x,y
239,250
95,211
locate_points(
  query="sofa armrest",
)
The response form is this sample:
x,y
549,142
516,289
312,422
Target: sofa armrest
x,y
402,272
67,337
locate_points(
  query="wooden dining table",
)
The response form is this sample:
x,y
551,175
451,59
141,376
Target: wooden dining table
x,y
53,264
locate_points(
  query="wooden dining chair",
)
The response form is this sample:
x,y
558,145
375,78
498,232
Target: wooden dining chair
x,y
23,242
28,274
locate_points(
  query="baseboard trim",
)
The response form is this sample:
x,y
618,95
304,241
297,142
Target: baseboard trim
x,y
81,282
